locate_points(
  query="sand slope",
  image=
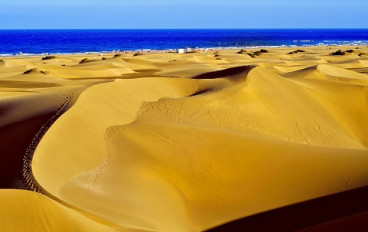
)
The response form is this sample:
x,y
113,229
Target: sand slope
x,y
164,147
28,211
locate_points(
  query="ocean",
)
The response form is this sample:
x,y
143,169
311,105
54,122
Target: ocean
x,y
30,42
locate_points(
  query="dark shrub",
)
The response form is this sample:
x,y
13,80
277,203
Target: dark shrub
x,y
295,52
48,57
338,53
263,51
29,71
241,51
138,54
84,60
35,70
257,53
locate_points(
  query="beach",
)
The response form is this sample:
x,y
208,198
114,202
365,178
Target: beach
x,y
161,141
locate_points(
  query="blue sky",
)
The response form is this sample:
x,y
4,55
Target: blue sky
x,y
111,14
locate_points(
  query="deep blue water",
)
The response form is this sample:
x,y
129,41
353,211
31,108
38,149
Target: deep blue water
x,y
80,41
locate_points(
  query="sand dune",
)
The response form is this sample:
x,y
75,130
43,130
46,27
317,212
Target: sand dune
x,y
40,213
184,142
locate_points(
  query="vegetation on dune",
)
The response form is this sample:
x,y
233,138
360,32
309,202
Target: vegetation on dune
x,y
242,51
48,57
257,53
341,53
35,70
43,72
84,60
251,55
138,54
338,53
296,51
28,71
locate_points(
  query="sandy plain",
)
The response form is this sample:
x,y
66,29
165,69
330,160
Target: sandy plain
x,y
178,142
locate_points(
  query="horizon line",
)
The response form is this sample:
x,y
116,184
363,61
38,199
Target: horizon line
x,y
291,28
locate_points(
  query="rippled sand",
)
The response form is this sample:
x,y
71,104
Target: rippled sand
x,y
180,142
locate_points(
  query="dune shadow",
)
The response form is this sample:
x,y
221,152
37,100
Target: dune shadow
x,y
14,140
229,72
306,214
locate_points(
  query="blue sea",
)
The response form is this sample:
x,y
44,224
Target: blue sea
x,y
13,42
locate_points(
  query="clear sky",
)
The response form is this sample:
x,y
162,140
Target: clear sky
x,y
123,14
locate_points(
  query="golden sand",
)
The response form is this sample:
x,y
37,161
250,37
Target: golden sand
x,y
152,145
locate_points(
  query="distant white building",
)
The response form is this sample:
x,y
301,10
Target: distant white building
x,y
188,50
180,50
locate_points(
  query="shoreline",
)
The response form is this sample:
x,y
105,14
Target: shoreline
x,y
153,51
